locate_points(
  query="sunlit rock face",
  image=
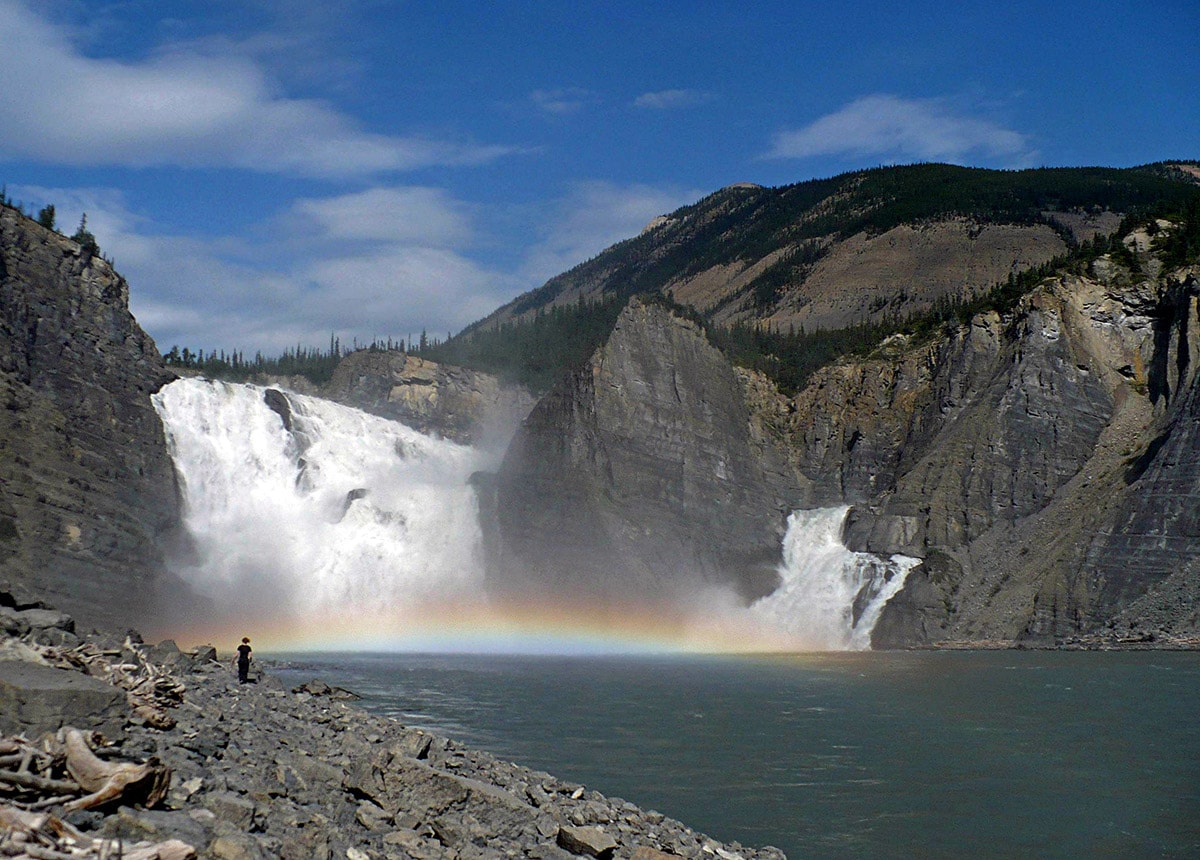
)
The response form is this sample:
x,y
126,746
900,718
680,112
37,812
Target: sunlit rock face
x,y
638,476
87,490
462,405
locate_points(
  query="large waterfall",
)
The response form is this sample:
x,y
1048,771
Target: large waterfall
x,y
343,509
344,528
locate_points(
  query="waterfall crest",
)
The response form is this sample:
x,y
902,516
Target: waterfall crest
x,y
830,597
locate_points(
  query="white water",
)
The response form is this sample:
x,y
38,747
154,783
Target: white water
x,y
270,511
823,582
350,514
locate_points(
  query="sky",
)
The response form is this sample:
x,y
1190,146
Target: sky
x,y
267,174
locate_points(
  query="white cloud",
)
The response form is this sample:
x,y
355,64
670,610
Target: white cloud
x,y
564,100
670,99
888,126
184,107
593,216
384,262
411,215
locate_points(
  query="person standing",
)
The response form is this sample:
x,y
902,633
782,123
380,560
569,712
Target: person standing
x,y
243,660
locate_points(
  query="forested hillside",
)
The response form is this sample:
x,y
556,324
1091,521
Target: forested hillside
x,y
777,239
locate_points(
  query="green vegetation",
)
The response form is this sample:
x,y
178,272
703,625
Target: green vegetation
x,y
85,238
313,364
535,351
1181,246
45,217
741,225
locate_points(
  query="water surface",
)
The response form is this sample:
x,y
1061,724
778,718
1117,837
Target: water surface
x,y
871,755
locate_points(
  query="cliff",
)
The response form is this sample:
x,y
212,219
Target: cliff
x,y
459,404
1039,461
638,476
87,489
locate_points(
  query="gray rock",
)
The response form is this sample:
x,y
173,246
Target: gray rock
x,y
453,402
590,841
233,808
47,619
88,498
35,699
637,475
12,623
203,655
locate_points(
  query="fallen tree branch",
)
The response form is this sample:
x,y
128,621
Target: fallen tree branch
x,y
41,783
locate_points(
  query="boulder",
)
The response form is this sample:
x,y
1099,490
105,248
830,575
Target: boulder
x,y
35,699
590,841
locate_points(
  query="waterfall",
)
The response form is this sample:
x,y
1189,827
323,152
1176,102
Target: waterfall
x,y
296,504
333,524
830,597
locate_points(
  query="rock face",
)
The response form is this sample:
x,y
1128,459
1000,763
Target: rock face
x,y
638,475
87,489
458,404
1040,463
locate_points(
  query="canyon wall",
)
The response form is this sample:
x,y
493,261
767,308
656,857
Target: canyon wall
x,y
87,489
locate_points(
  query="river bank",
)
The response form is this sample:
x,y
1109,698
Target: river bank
x,y
262,771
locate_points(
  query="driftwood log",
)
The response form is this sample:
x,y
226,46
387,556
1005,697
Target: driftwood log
x,y
146,783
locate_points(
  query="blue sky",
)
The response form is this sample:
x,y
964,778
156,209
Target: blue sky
x,y
266,173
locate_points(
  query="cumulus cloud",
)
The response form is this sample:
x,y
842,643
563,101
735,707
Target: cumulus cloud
x,y
892,127
671,99
384,262
184,106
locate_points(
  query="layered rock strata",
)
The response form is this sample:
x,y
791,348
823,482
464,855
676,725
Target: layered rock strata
x,y
87,489
1038,462
453,402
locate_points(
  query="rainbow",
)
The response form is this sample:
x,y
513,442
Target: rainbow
x,y
491,627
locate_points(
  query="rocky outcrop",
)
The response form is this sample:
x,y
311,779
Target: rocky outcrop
x,y
1038,462
87,489
37,699
458,404
639,475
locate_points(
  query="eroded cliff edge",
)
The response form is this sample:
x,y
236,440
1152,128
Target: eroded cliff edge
x,y
87,488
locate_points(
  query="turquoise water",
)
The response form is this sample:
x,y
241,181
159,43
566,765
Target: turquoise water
x,y
875,755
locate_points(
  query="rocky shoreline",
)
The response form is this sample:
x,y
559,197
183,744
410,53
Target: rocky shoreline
x,y
261,771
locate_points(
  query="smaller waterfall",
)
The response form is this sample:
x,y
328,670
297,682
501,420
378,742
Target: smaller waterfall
x,y
830,597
